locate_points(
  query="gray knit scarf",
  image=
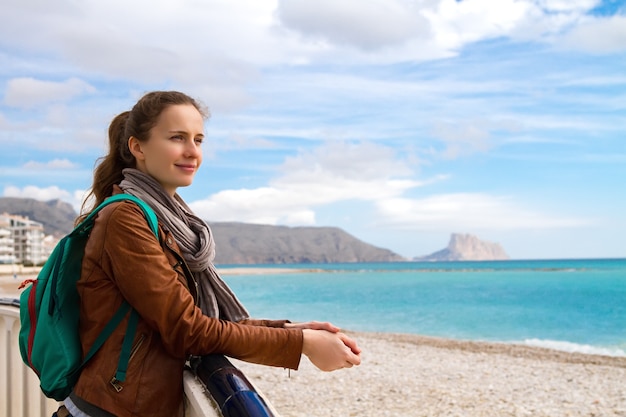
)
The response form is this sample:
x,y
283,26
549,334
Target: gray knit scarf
x,y
195,240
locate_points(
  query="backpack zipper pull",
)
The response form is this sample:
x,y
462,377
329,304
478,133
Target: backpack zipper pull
x,y
26,282
116,385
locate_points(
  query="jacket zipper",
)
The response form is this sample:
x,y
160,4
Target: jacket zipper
x,y
133,351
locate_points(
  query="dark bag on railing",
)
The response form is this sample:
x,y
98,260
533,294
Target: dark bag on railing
x,y
234,394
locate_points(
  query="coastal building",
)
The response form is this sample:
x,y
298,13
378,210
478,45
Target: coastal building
x,y
7,250
26,237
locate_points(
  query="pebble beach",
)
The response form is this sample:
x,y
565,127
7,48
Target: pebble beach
x,y
410,375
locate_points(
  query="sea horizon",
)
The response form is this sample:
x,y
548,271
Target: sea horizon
x,y
450,263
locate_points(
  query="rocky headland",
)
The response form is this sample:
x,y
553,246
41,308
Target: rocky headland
x,y
466,247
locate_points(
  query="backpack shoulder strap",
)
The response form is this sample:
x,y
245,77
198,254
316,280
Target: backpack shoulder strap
x,y
122,365
151,217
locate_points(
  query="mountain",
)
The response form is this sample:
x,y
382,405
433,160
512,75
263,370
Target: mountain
x,y
465,247
56,216
236,243
242,243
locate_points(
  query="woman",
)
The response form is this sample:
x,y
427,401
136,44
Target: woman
x,y
185,308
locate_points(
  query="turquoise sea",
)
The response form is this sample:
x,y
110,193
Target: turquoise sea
x,y
573,305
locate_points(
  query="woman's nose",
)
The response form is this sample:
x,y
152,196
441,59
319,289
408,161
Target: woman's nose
x,y
192,149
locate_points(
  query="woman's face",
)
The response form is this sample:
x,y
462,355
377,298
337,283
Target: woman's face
x,y
172,153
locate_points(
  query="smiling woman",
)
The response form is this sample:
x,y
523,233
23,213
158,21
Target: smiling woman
x,y
185,309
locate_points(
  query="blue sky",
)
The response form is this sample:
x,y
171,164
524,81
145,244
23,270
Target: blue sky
x,y
399,121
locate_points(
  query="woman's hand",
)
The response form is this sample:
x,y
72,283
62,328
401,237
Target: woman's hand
x,y
330,351
314,325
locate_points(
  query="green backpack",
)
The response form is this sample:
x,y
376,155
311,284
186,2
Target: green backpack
x,y
49,310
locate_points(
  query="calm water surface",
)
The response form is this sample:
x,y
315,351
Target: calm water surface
x,y
575,305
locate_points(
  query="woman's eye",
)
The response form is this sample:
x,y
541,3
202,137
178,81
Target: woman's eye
x,y
199,140
177,137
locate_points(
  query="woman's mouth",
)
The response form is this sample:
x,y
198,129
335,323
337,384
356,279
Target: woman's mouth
x,y
187,167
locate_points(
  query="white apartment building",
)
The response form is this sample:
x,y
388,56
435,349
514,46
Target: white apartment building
x,y
27,238
7,250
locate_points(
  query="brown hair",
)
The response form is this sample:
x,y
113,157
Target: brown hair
x,y
136,122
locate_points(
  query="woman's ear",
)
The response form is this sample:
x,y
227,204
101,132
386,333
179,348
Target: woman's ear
x,y
134,145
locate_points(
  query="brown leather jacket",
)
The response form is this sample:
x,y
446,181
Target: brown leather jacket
x,y
124,260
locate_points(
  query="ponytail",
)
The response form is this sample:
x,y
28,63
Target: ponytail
x,y
108,171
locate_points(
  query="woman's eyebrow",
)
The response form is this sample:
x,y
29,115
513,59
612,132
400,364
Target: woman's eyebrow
x,y
185,132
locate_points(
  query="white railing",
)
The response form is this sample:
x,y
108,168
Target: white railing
x,y
20,395
198,401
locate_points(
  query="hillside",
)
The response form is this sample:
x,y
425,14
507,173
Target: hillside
x,y
241,243
56,216
237,243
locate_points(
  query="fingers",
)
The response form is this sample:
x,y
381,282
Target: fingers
x,y
329,327
313,325
349,342
322,325
353,359
351,352
330,351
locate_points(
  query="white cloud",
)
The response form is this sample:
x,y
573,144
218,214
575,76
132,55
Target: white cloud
x,y
397,30
332,173
242,141
220,46
369,25
75,198
458,23
467,211
370,173
598,35
264,205
567,6
205,45
463,138
54,164
29,92
359,161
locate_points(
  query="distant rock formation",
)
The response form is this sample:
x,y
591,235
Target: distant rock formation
x,y
465,247
242,243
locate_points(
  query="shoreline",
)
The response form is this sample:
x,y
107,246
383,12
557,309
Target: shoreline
x,y
514,350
